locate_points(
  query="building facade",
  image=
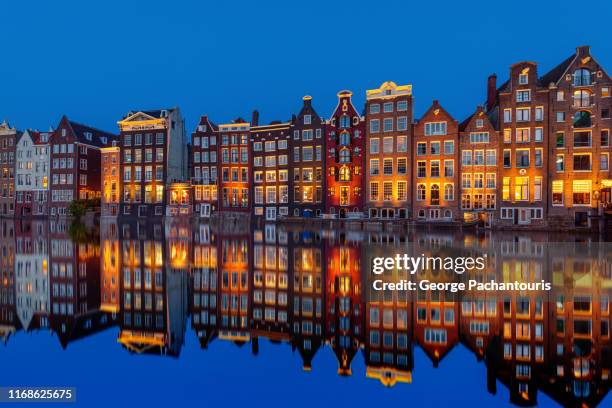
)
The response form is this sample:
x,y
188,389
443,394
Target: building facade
x,y
32,172
523,118
8,140
153,155
388,151
478,144
75,164
307,159
111,181
235,167
205,168
579,148
436,146
345,158
271,183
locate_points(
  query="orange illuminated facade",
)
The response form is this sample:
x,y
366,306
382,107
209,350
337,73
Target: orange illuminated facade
x,y
235,177
435,166
388,146
111,181
205,167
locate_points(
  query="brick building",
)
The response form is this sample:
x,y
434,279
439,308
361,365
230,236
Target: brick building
x,y
75,164
153,155
111,180
579,148
8,141
205,167
235,153
523,118
345,146
308,162
388,151
271,183
436,141
478,144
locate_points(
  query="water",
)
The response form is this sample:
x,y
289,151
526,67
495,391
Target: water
x,y
144,313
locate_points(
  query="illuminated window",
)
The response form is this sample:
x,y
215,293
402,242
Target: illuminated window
x,y
506,189
345,173
557,192
581,192
449,192
373,191
421,192
387,191
521,188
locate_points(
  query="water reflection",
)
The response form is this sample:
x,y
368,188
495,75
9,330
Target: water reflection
x,y
312,290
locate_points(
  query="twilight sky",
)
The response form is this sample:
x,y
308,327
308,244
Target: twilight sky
x,y
226,58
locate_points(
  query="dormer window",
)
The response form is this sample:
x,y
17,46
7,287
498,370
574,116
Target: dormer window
x,y
103,139
523,79
88,135
63,132
307,119
479,123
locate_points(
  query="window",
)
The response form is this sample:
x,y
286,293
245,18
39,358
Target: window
x,y
537,192
388,167
539,134
582,119
434,197
449,168
582,98
491,158
523,114
466,158
538,157
402,123
478,180
388,125
581,192
605,138
521,188
523,95
560,116
539,113
374,167
560,139
373,191
604,161
388,107
401,190
506,189
581,77
374,108
401,166
559,163
479,137
374,146
402,144
507,115
478,157
434,148
421,149
523,79
522,158
557,192
421,172
402,106
387,191
522,135
449,192
605,92
421,192
507,135
435,168
449,147
435,128
388,145
374,125
491,177
582,162
466,180
560,96
582,139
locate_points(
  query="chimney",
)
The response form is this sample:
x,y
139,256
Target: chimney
x,y
583,51
255,120
491,91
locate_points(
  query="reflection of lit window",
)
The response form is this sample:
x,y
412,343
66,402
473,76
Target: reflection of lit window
x,y
345,173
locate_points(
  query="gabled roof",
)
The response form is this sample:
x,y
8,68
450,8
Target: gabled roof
x,y
88,135
435,105
555,74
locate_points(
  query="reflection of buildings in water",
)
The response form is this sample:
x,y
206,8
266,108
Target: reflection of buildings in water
x,y
388,338
234,287
308,294
204,285
271,293
9,322
344,300
32,273
110,262
74,281
153,295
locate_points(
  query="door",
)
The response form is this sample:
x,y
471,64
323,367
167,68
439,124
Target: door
x,y
524,216
344,195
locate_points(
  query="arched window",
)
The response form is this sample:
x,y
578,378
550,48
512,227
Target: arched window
x,y
345,139
435,194
345,156
449,192
421,192
582,99
345,122
448,214
345,173
582,119
582,76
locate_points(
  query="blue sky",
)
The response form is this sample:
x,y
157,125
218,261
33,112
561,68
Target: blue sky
x,y
94,61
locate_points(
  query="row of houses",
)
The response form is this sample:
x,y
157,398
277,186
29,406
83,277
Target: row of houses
x,y
536,151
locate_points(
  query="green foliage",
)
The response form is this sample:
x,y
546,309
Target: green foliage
x,y
78,208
